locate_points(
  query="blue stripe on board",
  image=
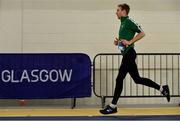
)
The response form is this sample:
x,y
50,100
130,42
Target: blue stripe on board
x,y
151,117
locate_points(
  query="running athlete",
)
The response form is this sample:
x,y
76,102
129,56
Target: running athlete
x,y
127,38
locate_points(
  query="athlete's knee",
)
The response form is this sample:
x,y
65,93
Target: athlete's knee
x,y
137,80
120,77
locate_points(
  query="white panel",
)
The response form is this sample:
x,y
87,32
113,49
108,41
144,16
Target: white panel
x,y
10,26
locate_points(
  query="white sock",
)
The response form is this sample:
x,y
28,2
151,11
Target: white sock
x,y
112,105
161,88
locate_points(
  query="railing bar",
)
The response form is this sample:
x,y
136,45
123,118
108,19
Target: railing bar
x,y
143,72
130,79
160,69
154,68
124,86
178,76
131,82
100,76
106,75
166,69
148,66
172,74
112,73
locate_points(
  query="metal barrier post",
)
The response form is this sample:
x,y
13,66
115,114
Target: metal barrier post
x,y
103,100
73,103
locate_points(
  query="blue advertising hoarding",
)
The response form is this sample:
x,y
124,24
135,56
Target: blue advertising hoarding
x,y
45,76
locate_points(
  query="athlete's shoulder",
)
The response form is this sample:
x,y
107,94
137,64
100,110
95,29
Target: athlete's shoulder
x,y
133,24
131,20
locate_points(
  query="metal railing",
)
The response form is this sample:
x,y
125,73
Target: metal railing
x,y
163,68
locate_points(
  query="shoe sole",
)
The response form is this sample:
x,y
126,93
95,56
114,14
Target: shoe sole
x,y
107,113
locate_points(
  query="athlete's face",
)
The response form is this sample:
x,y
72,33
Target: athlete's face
x,y
120,12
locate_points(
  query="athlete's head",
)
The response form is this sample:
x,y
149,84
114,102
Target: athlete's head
x,y
122,10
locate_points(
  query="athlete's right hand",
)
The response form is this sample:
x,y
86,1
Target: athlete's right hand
x,y
116,41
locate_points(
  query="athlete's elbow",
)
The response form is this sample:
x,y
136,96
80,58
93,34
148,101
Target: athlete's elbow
x,y
142,34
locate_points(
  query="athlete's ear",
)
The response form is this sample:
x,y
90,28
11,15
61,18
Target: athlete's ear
x,y
124,12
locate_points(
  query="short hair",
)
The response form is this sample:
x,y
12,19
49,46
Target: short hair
x,y
125,7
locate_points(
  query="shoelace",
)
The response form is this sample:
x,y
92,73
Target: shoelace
x,y
109,110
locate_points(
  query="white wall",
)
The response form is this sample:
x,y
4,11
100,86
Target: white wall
x,y
10,26
87,26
